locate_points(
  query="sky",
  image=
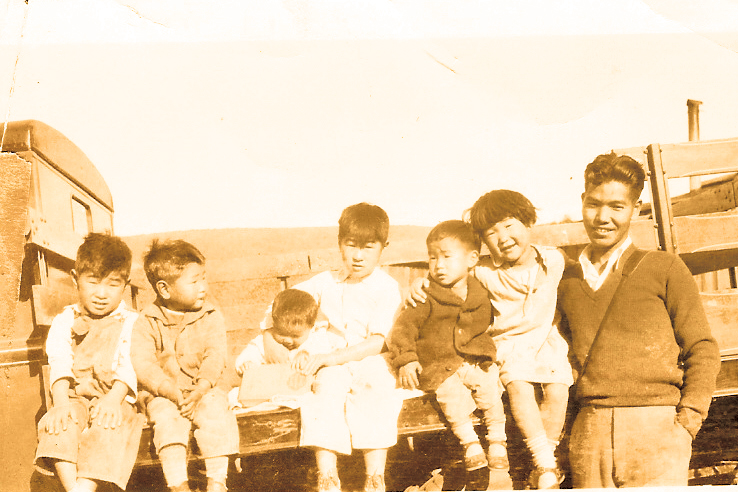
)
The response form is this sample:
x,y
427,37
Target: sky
x,y
281,113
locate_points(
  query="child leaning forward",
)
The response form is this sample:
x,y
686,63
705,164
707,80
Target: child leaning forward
x,y
294,313
91,433
443,345
179,353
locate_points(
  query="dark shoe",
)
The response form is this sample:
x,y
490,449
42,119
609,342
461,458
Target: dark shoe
x,y
475,461
498,462
215,486
545,478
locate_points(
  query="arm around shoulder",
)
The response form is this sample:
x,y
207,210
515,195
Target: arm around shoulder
x,y
402,339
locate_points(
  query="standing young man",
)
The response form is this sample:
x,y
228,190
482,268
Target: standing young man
x,y
640,343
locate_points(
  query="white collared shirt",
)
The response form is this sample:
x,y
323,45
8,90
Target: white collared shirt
x,y
594,278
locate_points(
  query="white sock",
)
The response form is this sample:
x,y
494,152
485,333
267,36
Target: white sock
x,y
174,464
217,468
78,487
542,451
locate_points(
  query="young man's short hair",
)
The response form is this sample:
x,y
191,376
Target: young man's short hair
x,y
498,205
363,223
165,260
103,254
293,308
612,167
455,229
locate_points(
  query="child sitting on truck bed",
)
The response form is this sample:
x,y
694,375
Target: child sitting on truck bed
x,y
522,280
443,345
354,403
179,353
91,433
293,326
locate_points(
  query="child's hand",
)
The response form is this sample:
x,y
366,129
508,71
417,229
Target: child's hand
x,y
299,363
274,352
296,380
417,295
187,410
58,418
242,365
314,363
106,412
409,375
168,389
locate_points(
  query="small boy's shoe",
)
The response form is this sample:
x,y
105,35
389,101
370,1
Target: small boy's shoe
x,y
183,487
497,462
474,458
328,483
215,486
374,483
545,478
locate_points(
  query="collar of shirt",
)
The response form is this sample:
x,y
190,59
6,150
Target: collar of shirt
x,y
170,318
341,276
120,310
82,321
594,278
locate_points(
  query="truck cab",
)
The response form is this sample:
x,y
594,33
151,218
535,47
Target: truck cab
x,y
52,197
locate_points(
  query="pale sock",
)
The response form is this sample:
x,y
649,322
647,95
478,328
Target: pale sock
x,y
174,464
465,433
496,449
542,451
217,468
84,487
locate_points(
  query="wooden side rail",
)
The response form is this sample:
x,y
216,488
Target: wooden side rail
x,y
274,430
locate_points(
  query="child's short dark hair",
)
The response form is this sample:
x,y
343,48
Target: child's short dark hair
x,y
363,223
612,167
498,205
294,308
103,254
455,229
165,260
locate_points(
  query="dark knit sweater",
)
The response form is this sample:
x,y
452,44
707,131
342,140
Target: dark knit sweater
x,y
443,332
654,349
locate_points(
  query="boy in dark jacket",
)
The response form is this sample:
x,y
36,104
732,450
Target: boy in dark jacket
x,y
443,345
641,344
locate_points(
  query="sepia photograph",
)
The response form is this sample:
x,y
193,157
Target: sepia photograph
x,y
389,245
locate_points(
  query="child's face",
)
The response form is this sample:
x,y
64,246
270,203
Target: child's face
x,y
360,260
607,210
292,337
188,292
99,296
508,240
449,261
